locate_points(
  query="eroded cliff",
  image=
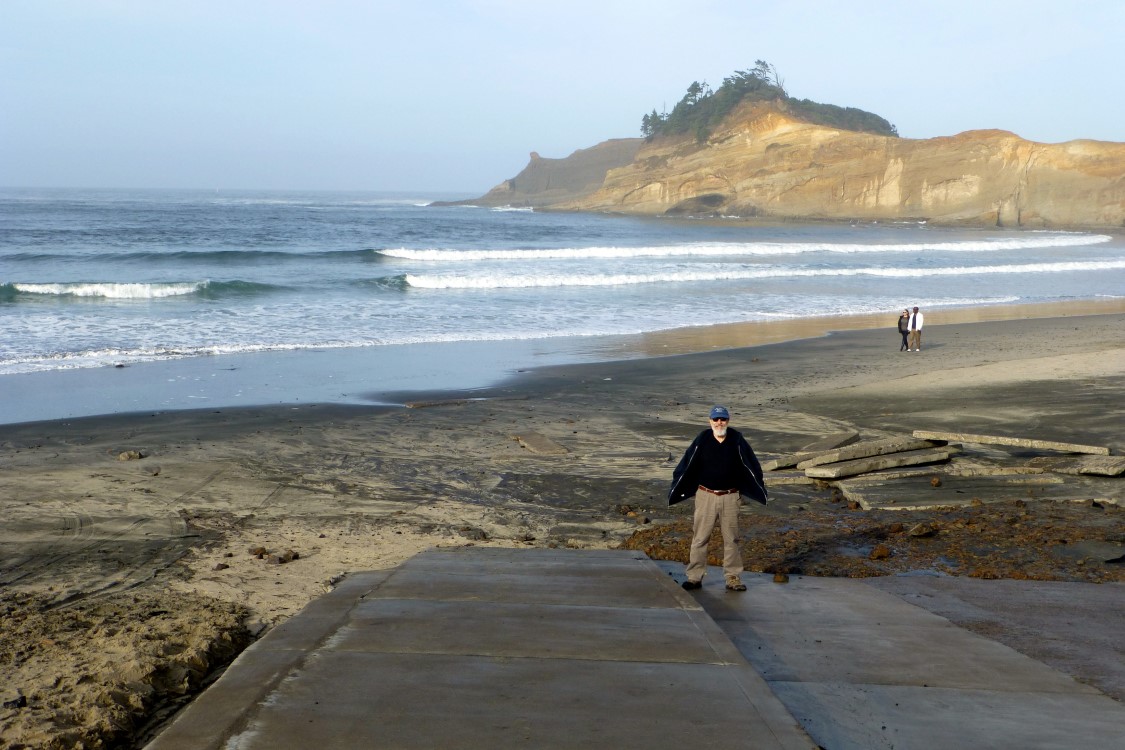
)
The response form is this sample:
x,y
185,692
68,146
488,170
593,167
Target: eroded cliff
x,y
764,162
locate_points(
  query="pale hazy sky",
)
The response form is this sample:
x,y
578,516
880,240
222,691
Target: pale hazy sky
x,y
452,95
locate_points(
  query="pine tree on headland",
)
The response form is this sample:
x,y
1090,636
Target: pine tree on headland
x,y
701,109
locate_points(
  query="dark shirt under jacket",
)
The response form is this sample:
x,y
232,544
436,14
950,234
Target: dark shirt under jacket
x,y
686,475
719,463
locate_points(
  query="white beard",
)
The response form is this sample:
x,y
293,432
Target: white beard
x,y
719,432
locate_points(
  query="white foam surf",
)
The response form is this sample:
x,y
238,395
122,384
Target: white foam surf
x,y
744,248
507,281
88,358
113,291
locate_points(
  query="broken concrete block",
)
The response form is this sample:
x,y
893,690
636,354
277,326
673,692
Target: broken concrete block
x,y
869,448
540,444
1045,445
1105,466
781,462
876,463
839,440
825,444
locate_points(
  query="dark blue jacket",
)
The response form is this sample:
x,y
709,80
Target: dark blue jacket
x,y
685,478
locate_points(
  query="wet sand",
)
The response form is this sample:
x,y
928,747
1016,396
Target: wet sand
x,y
734,335
142,524
372,375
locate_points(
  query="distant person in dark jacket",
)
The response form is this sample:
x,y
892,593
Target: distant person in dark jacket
x,y
718,468
904,329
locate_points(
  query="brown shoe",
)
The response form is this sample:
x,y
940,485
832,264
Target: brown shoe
x,y
734,583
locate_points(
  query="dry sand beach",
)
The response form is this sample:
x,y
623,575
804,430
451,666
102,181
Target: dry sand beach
x,y
140,552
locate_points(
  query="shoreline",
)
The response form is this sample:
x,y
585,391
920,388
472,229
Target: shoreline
x,y
757,333
305,377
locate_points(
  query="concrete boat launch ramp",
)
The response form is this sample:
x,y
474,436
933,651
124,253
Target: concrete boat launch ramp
x,y
485,647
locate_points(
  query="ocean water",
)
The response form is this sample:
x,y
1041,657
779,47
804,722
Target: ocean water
x,y
96,279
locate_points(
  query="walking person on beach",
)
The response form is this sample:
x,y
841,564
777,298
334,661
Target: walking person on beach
x,y
915,331
718,468
904,329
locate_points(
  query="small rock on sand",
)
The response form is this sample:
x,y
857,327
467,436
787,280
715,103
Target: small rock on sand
x,y
880,552
923,530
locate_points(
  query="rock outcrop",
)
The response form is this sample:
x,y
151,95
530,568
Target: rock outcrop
x,y
547,182
763,162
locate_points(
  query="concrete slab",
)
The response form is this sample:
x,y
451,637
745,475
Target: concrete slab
x,y
868,449
345,700
1069,625
500,629
901,492
874,639
831,442
488,561
583,590
261,668
1106,466
945,719
478,647
885,461
798,478
823,445
862,668
1046,445
540,444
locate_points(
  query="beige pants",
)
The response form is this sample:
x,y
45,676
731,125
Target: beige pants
x,y
709,510
915,341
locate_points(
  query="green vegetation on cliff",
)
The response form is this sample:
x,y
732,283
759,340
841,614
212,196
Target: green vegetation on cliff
x,y
701,109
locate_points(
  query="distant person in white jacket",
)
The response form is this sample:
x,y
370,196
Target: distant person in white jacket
x,y
915,327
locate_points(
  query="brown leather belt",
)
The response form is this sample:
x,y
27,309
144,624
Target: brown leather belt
x,y
718,493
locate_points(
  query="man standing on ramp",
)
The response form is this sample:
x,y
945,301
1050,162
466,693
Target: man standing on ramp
x,y
718,468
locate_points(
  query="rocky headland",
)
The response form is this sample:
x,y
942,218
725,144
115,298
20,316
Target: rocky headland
x,y
764,161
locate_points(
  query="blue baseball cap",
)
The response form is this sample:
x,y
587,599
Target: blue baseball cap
x,y
719,412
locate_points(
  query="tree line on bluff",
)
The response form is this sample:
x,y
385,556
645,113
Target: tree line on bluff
x,y
701,109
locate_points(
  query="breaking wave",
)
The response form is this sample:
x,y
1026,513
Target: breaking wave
x,y
203,257
745,248
505,281
13,292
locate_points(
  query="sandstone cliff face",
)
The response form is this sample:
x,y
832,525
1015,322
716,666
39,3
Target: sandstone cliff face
x,y
763,162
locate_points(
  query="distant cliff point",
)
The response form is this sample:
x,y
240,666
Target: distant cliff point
x,y
764,160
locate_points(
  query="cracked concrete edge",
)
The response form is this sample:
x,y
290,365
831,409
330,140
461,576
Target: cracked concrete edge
x,y
259,669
